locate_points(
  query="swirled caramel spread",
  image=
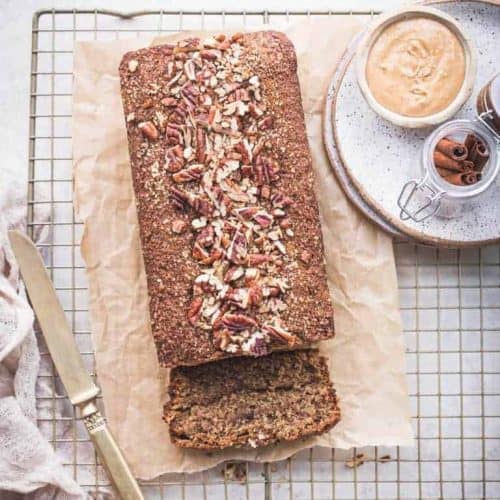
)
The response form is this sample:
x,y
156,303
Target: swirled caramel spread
x,y
416,67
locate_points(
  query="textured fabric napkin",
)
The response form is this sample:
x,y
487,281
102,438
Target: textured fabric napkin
x,y
28,464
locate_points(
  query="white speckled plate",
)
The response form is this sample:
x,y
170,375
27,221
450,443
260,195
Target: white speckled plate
x,y
373,158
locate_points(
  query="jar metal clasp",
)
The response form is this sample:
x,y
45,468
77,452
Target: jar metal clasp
x,y
484,118
430,203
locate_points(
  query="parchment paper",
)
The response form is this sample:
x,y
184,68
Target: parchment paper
x,y
367,354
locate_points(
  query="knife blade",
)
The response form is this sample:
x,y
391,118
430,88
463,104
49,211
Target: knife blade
x,y
81,390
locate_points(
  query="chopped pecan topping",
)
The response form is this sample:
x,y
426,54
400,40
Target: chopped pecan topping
x,y
237,322
183,198
305,257
237,251
200,145
285,223
266,123
149,130
195,310
279,200
169,101
226,177
210,54
234,273
206,237
132,65
179,226
255,295
191,173
258,259
174,159
280,334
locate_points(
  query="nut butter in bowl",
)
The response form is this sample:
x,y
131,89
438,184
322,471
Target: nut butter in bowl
x,y
416,67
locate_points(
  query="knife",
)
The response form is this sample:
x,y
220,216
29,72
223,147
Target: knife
x,y
81,390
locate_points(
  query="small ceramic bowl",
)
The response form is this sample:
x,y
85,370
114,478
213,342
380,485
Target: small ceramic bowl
x,y
470,66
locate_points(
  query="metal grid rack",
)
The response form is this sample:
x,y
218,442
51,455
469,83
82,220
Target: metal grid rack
x,y
450,301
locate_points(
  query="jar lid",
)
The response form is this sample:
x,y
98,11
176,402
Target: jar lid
x,y
489,102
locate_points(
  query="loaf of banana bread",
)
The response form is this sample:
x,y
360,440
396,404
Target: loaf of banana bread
x,y
223,181
249,402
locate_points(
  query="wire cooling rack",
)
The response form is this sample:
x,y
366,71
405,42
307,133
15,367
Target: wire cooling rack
x,y
450,301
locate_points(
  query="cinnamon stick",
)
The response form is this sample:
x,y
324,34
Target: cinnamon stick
x,y
468,165
461,164
456,179
443,161
471,177
452,149
443,172
470,140
479,155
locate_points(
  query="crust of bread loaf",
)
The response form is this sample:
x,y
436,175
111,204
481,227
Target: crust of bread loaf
x,y
170,270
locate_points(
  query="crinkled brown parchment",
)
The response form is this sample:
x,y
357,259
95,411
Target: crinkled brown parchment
x,y
367,355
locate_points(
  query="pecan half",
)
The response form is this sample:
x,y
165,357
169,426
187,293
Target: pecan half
x,y
194,310
200,145
237,322
263,218
280,334
189,69
183,198
174,137
149,130
255,295
169,101
199,253
257,259
279,200
191,173
210,54
206,237
237,36
174,159
234,273
237,251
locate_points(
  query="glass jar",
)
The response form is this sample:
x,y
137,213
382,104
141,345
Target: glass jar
x,y
432,194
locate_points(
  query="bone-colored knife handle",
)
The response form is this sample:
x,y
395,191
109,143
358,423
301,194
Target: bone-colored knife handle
x,y
112,458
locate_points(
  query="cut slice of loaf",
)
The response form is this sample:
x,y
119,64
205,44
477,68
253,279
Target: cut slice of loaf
x,y
251,402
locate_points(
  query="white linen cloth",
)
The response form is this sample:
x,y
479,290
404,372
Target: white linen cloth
x,y
28,464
